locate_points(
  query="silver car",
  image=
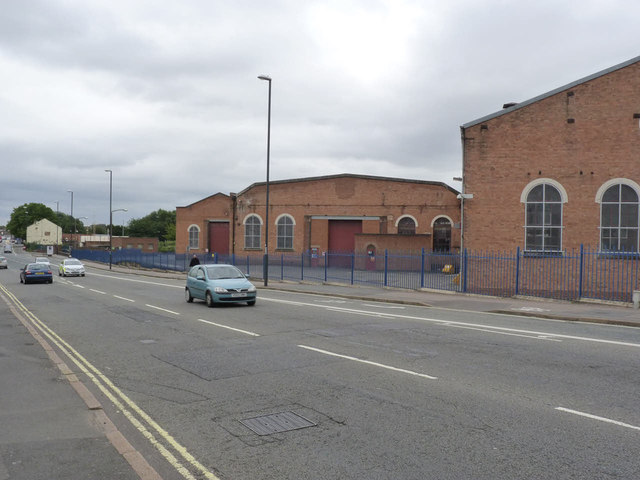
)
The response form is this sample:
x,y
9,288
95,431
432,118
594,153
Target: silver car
x,y
71,266
3,262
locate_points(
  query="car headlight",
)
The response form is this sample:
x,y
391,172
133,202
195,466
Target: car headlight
x,y
220,290
252,289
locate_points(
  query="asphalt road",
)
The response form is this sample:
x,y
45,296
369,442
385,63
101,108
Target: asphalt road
x,y
374,390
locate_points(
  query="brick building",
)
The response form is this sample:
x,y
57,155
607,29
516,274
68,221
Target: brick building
x,y
558,170
331,213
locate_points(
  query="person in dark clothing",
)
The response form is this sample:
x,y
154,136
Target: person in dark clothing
x,y
194,261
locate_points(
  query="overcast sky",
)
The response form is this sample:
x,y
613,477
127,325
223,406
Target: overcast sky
x,y
166,94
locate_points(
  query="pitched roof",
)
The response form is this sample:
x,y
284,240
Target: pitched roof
x,y
349,175
552,92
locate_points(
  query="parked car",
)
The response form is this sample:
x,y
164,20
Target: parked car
x,y
71,266
219,283
43,260
36,272
3,262
7,248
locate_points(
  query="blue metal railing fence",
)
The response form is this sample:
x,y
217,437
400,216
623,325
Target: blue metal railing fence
x,y
571,275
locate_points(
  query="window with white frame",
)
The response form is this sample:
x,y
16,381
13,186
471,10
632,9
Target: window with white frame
x,y
285,232
543,219
194,237
619,219
252,231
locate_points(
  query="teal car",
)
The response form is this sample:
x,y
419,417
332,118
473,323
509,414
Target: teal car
x,y
219,283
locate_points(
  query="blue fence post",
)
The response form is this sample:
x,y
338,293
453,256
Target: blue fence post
x,y
580,273
464,278
386,266
517,270
326,261
247,265
422,268
281,266
353,263
302,267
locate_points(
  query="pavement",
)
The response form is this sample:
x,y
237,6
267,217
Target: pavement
x,y
51,431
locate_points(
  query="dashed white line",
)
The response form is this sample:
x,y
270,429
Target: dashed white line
x,y
98,291
163,309
124,298
229,328
388,367
595,417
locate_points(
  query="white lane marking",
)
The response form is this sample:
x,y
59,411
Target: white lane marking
x,y
366,314
98,291
536,337
76,285
163,309
383,306
139,281
124,298
449,322
595,417
368,362
229,328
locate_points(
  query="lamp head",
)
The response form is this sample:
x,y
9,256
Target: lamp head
x,y
264,77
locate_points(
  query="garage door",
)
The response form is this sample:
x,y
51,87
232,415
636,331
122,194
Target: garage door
x,y
219,238
342,239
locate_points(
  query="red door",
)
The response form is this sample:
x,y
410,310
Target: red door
x,y
219,238
342,241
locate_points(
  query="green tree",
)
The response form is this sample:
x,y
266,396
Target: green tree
x,y
157,224
26,215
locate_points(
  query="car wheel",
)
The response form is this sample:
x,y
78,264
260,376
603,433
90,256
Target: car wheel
x,y
51,281
187,295
59,274
83,274
251,303
209,300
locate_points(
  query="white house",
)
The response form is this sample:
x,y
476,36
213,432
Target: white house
x,y
44,232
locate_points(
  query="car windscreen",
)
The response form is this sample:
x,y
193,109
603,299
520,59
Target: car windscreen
x,y
37,266
72,262
218,273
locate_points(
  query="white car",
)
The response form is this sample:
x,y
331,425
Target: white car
x,y
44,260
3,262
8,248
71,266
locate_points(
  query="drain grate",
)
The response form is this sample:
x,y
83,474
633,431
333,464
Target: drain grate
x,y
277,423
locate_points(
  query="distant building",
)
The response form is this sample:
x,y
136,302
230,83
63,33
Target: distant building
x,y
97,242
343,213
44,232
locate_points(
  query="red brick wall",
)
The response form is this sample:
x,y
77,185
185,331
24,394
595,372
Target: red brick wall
x,y
345,196
580,137
215,207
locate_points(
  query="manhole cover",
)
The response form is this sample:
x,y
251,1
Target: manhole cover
x,y
277,423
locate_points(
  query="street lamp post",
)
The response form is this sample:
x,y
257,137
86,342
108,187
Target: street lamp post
x,y
57,227
121,210
110,215
462,197
266,227
73,232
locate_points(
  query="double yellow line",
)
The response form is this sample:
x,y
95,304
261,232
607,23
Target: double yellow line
x,y
149,428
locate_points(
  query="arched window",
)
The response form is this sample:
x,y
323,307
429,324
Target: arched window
x,y
619,219
406,226
194,237
442,235
543,219
285,232
252,231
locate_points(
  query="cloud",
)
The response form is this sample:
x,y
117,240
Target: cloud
x,y
168,98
